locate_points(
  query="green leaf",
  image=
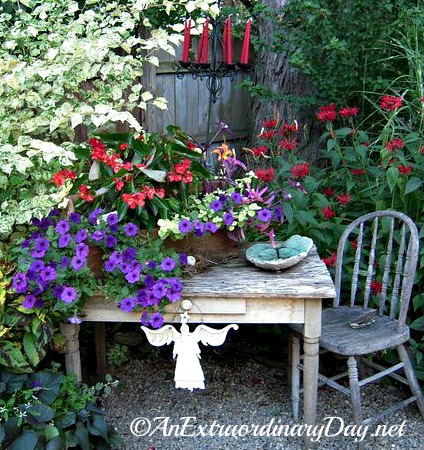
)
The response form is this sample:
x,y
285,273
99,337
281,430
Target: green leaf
x,y
98,427
82,437
392,176
57,443
39,414
412,185
418,324
157,175
50,431
26,441
31,350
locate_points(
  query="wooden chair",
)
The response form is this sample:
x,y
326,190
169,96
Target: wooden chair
x,y
375,269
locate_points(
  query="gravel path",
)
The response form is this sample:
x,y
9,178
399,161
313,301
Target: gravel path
x,y
241,390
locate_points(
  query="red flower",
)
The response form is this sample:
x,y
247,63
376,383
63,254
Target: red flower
x,y
376,287
405,170
357,171
84,193
260,151
269,123
265,175
191,145
119,184
134,200
348,111
327,113
268,135
288,128
394,144
288,145
328,191
123,146
391,102
60,177
331,261
354,245
300,170
343,199
328,212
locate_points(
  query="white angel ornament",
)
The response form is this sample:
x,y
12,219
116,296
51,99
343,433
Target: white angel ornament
x,y
188,371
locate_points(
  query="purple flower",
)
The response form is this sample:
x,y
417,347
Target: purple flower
x,y
48,274
175,283
159,290
29,301
168,264
129,254
64,262
131,229
112,219
127,304
212,227
25,243
57,290
92,217
152,264
111,264
20,283
98,235
110,241
145,319
156,320
174,295
264,215
216,205
237,197
64,240
184,226
69,294
78,262
115,256
74,319
82,250
183,259
81,235
41,245
149,280
36,266
228,219
133,276
62,226
75,217
114,228
125,267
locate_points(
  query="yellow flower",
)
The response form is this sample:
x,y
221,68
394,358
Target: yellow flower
x,y
223,152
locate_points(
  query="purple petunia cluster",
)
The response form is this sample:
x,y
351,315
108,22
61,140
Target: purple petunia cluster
x,y
54,271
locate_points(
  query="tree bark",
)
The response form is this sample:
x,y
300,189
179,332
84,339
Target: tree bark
x,y
274,73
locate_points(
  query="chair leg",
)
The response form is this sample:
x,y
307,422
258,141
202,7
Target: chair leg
x,y
412,379
355,393
294,348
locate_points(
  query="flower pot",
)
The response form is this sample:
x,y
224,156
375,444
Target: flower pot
x,y
95,261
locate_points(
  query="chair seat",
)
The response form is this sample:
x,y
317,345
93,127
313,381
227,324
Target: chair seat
x,y
338,337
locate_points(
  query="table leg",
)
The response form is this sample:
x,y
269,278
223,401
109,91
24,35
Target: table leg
x,y
312,332
100,344
72,353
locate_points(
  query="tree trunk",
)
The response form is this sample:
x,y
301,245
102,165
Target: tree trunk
x,y
274,73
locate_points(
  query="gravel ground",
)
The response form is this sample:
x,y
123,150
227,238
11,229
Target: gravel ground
x,y
244,386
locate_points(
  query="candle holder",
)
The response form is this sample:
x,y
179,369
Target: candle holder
x,y
215,70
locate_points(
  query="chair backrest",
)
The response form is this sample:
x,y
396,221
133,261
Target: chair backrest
x,y
376,263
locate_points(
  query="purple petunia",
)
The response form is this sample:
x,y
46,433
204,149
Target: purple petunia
x,y
183,259
237,197
216,205
145,319
168,264
159,290
48,274
20,283
74,319
112,219
62,226
184,226
212,227
149,280
131,229
129,254
68,295
133,276
75,217
82,250
98,235
41,245
64,240
152,264
64,262
78,262
81,235
57,290
30,301
228,219
92,217
127,304
110,241
110,264
36,265
264,215
156,320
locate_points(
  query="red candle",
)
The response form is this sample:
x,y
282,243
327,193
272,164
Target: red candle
x,y
244,59
186,44
229,43
205,42
200,47
224,42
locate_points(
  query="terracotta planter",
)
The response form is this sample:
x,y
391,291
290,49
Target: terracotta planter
x,y
95,261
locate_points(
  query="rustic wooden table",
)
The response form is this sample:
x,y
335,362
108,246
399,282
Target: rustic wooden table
x,y
236,292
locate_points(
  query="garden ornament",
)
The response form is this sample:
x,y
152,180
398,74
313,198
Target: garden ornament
x,y
188,371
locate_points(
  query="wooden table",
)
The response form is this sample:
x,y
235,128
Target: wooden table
x,y
236,292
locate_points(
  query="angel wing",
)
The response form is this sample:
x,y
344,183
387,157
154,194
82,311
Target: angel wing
x,y
211,336
162,336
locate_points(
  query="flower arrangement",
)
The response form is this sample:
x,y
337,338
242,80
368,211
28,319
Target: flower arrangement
x,y
143,177
54,274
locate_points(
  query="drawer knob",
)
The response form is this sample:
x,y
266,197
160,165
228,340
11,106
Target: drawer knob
x,y
186,305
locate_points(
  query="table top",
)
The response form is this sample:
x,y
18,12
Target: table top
x,y
308,278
